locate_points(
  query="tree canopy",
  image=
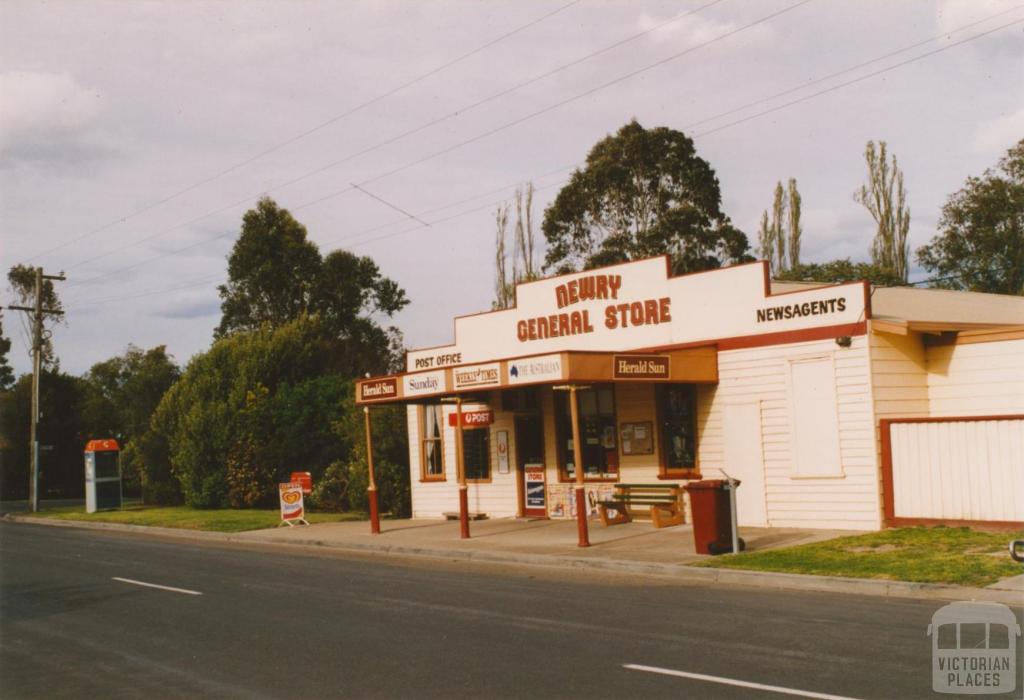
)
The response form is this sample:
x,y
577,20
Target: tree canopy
x,y
64,426
842,270
22,279
886,199
980,246
129,387
779,236
6,371
276,274
254,407
641,193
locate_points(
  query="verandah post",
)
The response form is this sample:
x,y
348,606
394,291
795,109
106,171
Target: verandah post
x,y
577,458
460,466
371,489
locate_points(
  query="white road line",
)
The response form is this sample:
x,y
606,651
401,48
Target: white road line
x,y
732,681
156,585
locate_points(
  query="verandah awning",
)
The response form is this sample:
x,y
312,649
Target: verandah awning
x,y
690,365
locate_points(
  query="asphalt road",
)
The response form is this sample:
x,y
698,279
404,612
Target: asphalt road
x,y
273,624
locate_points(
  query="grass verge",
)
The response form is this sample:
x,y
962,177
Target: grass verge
x,y
958,556
183,517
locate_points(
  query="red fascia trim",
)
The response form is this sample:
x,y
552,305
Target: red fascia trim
x,y
765,339
954,419
995,525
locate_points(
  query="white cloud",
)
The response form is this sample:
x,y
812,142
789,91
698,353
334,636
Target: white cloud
x,y
997,135
952,14
693,30
47,115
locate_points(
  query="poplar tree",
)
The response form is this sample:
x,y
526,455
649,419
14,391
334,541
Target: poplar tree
x,y
766,240
795,230
524,256
524,234
886,199
502,285
779,235
778,215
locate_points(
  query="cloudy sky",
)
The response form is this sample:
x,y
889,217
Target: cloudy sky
x,y
133,135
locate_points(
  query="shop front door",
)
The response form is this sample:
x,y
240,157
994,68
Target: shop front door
x,y
530,465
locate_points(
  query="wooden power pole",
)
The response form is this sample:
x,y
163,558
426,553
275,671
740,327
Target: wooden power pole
x,y
38,312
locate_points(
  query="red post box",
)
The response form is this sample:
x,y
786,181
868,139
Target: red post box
x,y
303,479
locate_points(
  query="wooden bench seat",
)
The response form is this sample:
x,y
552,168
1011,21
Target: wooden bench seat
x,y
454,515
665,502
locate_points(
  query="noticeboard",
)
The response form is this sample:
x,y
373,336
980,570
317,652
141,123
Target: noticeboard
x,y
637,438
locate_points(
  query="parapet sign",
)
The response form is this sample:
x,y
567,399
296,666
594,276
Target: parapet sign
x,y
292,508
627,306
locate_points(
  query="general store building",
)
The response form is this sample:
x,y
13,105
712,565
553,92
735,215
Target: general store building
x,y
837,406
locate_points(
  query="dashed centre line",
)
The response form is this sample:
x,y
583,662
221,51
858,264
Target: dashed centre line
x,y
734,682
156,585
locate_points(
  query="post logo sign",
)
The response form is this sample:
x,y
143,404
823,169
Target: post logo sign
x,y
974,649
292,507
472,419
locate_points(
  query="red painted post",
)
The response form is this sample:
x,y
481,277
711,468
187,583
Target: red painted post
x,y
461,467
371,489
577,458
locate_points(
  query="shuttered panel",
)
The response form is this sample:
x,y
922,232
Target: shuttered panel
x,y
850,501
959,470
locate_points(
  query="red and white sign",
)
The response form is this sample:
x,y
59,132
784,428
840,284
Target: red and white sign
x,y
472,419
303,479
477,376
292,508
633,305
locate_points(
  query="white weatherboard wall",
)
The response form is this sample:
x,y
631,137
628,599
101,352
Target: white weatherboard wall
x,y
976,379
959,470
432,499
850,501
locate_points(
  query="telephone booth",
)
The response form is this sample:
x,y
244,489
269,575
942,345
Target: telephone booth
x,y
102,475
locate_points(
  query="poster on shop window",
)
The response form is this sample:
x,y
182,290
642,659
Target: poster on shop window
x,y
562,498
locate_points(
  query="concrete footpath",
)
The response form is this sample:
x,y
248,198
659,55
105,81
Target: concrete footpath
x,y
632,549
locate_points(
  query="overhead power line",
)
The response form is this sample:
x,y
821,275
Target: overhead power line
x,y
860,79
734,123
405,134
483,135
293,139
844,71
388,204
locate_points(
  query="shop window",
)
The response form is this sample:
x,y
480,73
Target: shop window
x,y
597,433
677,414
432,443
524,399
476,454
